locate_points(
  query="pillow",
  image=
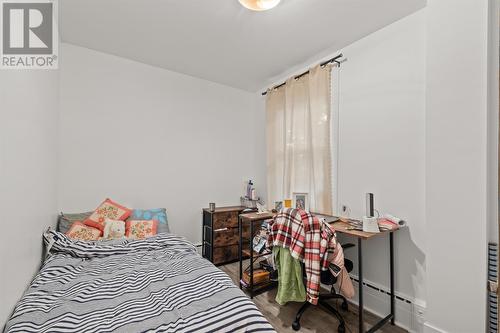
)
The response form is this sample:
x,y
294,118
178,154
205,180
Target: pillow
x,y
65,221
140,229
107,210
80,231
159,214
114,229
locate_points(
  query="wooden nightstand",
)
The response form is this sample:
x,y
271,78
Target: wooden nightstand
x,y
221,234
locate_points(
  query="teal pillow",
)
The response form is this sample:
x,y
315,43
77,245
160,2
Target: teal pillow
x,y
159,214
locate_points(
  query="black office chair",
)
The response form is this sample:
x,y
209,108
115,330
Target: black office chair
x,y
328,279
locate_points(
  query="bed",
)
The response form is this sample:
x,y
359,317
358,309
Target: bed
x,y
158,284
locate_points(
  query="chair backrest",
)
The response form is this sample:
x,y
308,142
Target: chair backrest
x,y
327,278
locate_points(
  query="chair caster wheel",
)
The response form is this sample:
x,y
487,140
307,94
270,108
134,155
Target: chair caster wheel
x,y
341,329
296,326
344,306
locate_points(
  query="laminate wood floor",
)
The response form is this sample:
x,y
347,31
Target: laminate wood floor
x,y
314,319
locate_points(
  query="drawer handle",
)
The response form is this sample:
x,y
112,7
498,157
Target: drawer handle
x,y
223,229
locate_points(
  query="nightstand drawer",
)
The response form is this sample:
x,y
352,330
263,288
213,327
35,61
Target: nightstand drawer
x,y
225,254
225,220
229,236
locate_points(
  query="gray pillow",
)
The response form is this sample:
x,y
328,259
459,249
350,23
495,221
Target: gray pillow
x,y
65,221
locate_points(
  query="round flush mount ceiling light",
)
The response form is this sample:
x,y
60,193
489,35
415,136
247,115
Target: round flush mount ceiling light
x,y
259,5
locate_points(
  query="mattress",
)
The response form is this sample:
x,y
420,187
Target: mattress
x,y
159,284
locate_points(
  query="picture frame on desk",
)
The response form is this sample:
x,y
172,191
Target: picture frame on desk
x,y
301,200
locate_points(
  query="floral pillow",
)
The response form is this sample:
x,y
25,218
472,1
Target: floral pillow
x,y
80,231
140,229
107,210
159,214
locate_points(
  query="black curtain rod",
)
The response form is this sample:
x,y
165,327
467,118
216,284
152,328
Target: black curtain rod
x,y
334,59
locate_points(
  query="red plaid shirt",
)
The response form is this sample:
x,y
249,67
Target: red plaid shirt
x,y
309,240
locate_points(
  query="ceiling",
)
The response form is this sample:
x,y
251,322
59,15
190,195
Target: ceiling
x,y
219,40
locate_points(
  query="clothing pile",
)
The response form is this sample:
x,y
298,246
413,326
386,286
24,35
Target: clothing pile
x,y
307,241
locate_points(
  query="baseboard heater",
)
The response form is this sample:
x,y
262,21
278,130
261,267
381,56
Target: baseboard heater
x,y
383,291
409,312
493,285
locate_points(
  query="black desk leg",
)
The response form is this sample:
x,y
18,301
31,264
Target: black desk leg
x,y
239,250
360,286
393,297
251,259
392,315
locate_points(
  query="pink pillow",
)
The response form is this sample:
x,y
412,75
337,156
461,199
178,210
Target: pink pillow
x,y
107,210
140,229
80,231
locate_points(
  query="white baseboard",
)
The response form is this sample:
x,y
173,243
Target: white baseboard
x,y
409,312
428,328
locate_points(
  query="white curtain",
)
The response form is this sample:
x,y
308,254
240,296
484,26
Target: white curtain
x,y
298,140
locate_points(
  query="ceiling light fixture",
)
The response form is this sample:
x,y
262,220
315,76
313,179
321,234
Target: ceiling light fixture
x,y
259,5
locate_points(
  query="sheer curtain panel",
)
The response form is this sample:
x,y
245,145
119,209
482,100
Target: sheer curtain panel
x,y
298,140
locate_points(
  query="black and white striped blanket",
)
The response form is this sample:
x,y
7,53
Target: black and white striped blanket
x,y
159,284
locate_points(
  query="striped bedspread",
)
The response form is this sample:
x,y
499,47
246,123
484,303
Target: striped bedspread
x,y
159,284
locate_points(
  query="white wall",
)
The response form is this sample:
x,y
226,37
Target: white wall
x,y
28,160
381,145
456,165
493,123
147,137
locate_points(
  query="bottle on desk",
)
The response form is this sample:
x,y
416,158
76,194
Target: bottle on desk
x,y
249,189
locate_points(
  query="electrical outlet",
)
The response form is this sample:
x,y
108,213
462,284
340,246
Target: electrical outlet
x,y
345,211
